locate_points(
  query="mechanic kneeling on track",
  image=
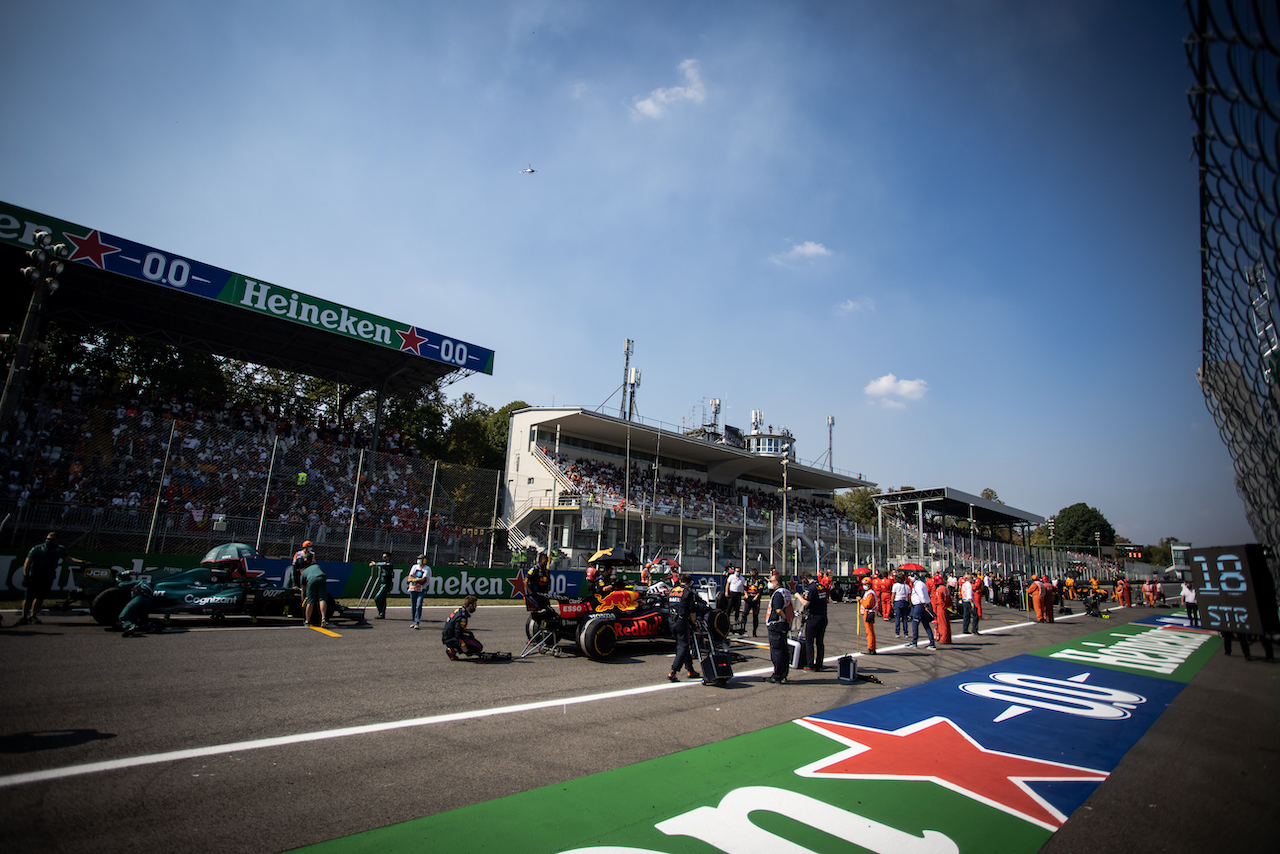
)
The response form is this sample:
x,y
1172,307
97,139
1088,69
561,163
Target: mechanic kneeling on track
x,y
686,606
457,640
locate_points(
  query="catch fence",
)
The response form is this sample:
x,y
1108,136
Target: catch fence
x,y
122,482
1234,51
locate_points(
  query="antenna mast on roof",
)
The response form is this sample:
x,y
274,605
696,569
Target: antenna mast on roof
x,y
831,423
626,366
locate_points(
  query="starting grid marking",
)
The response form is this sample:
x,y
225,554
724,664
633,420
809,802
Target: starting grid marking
x,y
938,767
300,738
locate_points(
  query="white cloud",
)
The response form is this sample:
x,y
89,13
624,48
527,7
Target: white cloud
x,y
579,89
849,306
806,251
891,391
656,104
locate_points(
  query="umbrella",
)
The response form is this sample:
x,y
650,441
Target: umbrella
x,y
614,556
912,567
229,551
862,570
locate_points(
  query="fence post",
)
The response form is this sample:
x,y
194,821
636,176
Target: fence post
x,y
355,502
155,511
426,535
493,525
262,516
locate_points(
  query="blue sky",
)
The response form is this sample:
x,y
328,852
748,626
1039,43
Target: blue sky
x,y
966,230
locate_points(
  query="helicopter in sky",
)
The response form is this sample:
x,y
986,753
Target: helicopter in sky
x,y
530,170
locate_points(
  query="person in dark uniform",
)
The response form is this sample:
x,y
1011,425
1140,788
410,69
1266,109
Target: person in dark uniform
x,y
778,622
133,619
39,571
815,598
386,572
751,605
537,587
686,606
455,637
315,594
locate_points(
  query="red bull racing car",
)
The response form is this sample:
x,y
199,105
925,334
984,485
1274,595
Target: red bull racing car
x,y
598,624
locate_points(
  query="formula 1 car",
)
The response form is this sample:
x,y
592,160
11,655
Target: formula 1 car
x,y
220,586
597,626
199,591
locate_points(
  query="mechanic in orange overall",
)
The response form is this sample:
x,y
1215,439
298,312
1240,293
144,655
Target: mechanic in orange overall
x,y
1046,600
941,598
1035,591
867,604
883,596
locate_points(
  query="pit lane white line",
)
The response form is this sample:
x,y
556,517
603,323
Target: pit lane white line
x,y
299,738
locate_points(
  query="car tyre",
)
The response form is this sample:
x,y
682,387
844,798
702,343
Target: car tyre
x,y
599,639
719,624
108,604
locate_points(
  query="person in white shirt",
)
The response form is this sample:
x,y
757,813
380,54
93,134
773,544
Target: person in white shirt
x,y
921,613
1189,600
735,585
418,582
967,606
901,593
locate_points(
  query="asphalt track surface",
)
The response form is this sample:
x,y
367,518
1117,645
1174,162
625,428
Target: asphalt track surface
x,y
269,737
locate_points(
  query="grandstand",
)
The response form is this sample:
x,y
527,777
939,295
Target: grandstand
x,y
128,469
578,479
171,474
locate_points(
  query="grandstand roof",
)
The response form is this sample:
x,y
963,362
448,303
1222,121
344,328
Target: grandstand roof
x,y
952,502
724,463
105,285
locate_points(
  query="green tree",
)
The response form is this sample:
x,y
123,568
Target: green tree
x,y
859,505
990,495
1077,524
1162,554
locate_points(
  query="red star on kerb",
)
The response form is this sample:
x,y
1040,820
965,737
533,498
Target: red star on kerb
x,y
938,750
91,248
411,340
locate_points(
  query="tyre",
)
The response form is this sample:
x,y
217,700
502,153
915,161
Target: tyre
x,y
108,604
530,627
719,624
599,639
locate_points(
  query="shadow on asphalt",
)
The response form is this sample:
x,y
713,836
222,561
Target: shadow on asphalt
x,y
32,742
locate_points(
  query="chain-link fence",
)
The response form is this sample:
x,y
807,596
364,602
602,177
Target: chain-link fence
x,y
1235,53
121,481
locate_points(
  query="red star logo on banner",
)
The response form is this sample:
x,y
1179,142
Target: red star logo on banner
x,y
517,586
91,248
411,340
938,750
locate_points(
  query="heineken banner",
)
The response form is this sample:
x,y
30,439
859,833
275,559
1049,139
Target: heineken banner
x,y
103,251
346,580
